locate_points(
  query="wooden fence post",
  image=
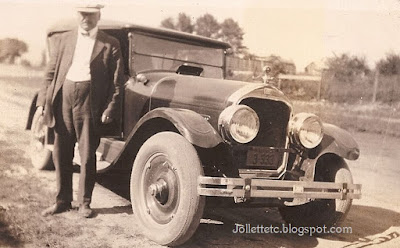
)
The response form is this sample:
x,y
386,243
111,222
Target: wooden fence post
x,y
319,89
376,81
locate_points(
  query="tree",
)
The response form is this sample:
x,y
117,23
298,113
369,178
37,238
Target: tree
x,y
207,26
232,33
277,65
168,23
346,68
185,23
11,48
246,54
389,65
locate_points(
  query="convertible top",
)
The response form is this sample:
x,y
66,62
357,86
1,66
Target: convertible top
x,y
69,24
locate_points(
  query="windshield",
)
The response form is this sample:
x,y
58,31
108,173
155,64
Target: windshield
x,y
152,53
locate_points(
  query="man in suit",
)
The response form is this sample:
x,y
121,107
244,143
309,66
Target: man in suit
x,y
81,93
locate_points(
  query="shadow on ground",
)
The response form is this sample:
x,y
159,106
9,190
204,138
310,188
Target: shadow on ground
x,y
118,182
115,210
7,239
217,225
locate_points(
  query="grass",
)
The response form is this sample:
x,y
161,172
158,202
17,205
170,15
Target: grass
x,y
360,90
25,192
23,197
373,118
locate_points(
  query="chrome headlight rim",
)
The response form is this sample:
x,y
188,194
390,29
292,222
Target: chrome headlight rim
x,y
301,132
226,122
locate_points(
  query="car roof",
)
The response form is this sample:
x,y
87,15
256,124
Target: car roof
x,y
70,24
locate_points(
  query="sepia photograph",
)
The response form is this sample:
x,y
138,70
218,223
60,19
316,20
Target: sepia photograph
x,y
149,123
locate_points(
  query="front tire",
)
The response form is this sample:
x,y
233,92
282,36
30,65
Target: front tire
x,y
324,212
164,189
41,157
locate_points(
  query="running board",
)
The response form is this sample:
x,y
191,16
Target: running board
x,y
106,153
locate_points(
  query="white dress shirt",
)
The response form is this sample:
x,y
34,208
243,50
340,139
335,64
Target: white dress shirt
x,y
80,67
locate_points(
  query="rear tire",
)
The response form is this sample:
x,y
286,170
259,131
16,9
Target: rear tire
x,y
41,157
163,188
322,212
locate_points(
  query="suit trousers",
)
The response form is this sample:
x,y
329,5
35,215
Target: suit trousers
x,y
74,123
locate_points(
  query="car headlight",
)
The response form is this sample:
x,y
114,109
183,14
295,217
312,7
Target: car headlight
x,y
240,123
307,130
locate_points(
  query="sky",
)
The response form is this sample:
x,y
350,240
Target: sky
x,y
303,31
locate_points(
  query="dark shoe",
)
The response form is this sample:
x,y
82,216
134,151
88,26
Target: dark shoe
x,y
85,211
56,209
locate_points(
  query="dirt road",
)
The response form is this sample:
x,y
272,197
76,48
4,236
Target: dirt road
x,y
374,220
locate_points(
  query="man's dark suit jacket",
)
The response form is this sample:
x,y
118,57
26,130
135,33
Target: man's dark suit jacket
x,y
107,76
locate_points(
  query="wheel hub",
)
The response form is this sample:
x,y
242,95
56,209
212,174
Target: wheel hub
x,y
161,189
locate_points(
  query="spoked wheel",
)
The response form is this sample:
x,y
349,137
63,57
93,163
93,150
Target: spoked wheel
x,y
164,189
322,212
40,156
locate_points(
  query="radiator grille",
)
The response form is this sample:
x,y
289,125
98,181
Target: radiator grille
x,y
274,118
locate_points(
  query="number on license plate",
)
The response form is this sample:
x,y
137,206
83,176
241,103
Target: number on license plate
x,y
262,157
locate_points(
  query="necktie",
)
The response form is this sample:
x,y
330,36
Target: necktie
x,y
85,34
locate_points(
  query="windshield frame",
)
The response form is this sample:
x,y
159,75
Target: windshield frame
x,y
135,53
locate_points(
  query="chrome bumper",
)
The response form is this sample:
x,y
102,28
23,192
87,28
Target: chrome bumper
x,y
247,188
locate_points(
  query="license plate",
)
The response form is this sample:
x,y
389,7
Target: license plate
x,y
262,156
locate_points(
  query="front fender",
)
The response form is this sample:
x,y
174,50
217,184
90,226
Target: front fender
x,y
191,125
336,141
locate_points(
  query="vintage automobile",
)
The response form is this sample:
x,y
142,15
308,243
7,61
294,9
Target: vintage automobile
x,y
187,134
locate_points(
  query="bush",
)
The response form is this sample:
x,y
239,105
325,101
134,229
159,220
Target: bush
x,y
388,89
300,90
361,89
389,65
26,63
347,68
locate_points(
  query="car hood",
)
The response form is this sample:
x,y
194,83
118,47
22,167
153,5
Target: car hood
x,y
207,96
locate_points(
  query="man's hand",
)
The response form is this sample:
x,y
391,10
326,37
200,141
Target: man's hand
x,y
105,119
